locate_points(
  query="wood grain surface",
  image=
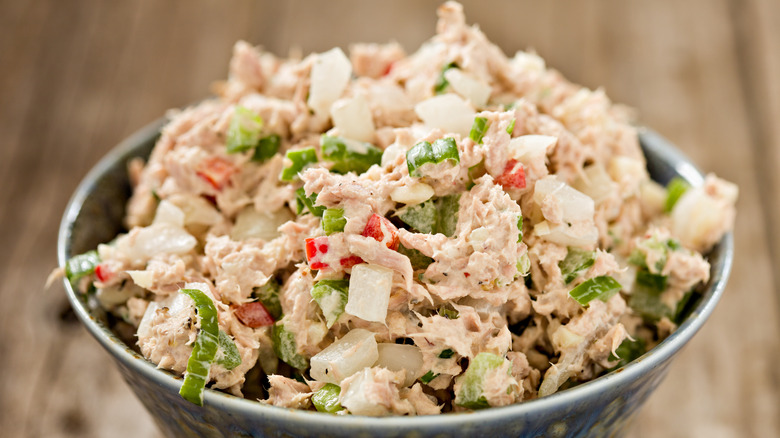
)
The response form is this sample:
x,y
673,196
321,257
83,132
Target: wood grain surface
x,y
78,76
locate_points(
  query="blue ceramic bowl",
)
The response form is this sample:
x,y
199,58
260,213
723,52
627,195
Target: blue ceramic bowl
x,y
602,407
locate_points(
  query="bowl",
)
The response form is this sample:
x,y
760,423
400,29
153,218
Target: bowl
x,y
602,407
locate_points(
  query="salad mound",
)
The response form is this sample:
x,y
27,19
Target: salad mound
x,y
384,234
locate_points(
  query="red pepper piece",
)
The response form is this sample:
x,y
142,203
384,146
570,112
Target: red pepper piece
x,y
381,229
103,273
254,315
216,171
350,261
513,176
316,247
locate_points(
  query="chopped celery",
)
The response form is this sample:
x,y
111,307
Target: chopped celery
x,y
428,377
478,129
267,148
638,256
683,308
203,350
448,313
230,357
417,259
333,220
326,399
576,262
674,190
511,128
443,149
244,131
446,354
81,265
628,351
647,302
447,207
602,287
285,348
268,294
349,155
442,83
472,380
331,296
524,265
520,228
433,216
302,201
655,282
300,160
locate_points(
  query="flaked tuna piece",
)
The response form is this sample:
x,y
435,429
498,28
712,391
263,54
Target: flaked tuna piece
x,y
288,393
301,312
703,214
374,392
374,60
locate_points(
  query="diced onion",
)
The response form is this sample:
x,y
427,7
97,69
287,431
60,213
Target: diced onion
x,y
142,278
251,223
343,358
575,205
472,89
397,357
595,182
527,148
329,77
448,112
167,213
352,117
564,338
412,194
369,292
197,211
156,239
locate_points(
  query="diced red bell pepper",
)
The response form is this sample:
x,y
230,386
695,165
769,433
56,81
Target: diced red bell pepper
x,y
513,176
103,273
350,261
381,229
216,171
254,315
316,247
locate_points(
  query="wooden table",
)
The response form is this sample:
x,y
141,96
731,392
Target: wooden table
x,y
78,76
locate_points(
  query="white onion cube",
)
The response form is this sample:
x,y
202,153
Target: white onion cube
x,y
478,92
369,292
397,357
352,117
343,358
251,223
330,75
448,112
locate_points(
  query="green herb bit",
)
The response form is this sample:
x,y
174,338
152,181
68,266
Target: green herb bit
x,y
602,287
448,313
674,190
302,201
230,357
627,352
426,379
576,262
286,349
446,354
520,228
333,221
511,128
416,258
442,83
524,265
326,399
267,148
81,265
473,379
331,296
655,282
300,159
478,129
244,131
203,351
349,155
268,294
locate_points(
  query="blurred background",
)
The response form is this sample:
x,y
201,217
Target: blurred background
x,y
76,77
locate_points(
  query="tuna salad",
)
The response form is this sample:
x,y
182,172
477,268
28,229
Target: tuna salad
x,y
388,234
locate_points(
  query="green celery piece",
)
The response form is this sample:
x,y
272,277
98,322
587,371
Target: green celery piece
x,y
442,83
81,265
333,220
602,287
448,313
244,131
520,228
655,282
511,128
349,155
472,381
447,207
267,148
230,357
445,149
428,377
331,296
285,348
647,302
628,351
577,261
639,257
421,217
203,351
326,399
268,294
524,265
446,354
417,156
300,160
475,172
302,201
674,190
417,259
478,129
683,308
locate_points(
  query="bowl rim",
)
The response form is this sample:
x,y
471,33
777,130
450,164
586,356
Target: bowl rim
x,y
654,358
